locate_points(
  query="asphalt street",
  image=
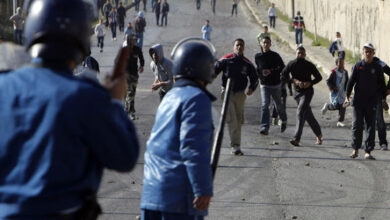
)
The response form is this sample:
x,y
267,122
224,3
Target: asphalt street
x,y
273,180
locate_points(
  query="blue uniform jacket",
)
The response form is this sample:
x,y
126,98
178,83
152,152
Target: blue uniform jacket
x,y
57,133
177,157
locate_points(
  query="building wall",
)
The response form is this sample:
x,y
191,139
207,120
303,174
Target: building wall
x,y
358,21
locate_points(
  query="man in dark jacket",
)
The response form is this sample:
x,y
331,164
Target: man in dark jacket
x,y
107,8
237,67
269,65
368,83
301,72
139,28
121,11
157,11
164,11
381,104
132,74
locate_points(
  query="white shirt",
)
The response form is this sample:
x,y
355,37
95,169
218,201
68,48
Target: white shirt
x,y
99,30
272,11
339,44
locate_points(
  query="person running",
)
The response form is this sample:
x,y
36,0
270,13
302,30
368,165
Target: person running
x,y
234,6
299,27
272,15
337,84
302,72
269,66
139,28
164,11
237,67
368,83
113,22
100,33
206,30
59,132
121,17
132,70
18,22
177,180
381,104
162,70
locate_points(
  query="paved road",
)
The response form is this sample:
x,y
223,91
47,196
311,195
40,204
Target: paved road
x,y
272,180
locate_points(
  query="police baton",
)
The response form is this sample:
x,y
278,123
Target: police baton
x,y
218,138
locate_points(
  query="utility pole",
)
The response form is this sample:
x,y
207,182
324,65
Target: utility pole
x,y
292,8
315,22
14,7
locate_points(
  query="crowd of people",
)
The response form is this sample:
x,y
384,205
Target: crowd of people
x,y
66,129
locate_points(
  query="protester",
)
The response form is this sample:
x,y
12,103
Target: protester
x,y
18,22
107,8
206,30
368,84
132,70
100,33
299,27
162,70
234,6
237,67
164,11
269,66
113,22
139,28
129,30
272,15
337,45
121,17
177,157
302,72
337,84
59,132
261,35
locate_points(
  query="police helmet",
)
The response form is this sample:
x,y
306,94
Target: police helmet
x,y
193,60
58,30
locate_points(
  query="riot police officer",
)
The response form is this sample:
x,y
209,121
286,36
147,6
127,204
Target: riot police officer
x,y
58,132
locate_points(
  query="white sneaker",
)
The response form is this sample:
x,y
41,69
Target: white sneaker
x,y
340,124
325,108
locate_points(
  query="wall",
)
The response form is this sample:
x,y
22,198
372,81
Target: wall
x,y
358,21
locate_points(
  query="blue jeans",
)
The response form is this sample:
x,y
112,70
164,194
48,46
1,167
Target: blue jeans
x,y
298,34
18,36
140,40
113,29
266,94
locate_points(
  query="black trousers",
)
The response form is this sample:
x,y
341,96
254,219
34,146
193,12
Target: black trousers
x,y
164,17
157,18
341,109
380,122
366,113
304,113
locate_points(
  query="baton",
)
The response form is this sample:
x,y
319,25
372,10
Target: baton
x,y
218,138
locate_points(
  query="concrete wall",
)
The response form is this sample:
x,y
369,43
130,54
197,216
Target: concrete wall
x,y
358,21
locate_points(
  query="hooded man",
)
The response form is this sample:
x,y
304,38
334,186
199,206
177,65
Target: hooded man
x,y
162,70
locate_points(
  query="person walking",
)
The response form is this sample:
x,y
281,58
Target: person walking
x,y
381,104
162,70
113,21
177,156
107,8
129,30
302,72
18,22
157,11
337,84
164,11
121,17
237,67
139,28
299,27
206,30
153,4
337,45
234,6
197,4
261,36
368,83
64,131
272,14
132,70
100,33
269,66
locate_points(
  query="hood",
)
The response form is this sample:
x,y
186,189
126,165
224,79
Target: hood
x,y
159,50
140,14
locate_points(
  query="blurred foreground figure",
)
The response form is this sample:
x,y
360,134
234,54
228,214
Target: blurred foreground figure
x,y
58,131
